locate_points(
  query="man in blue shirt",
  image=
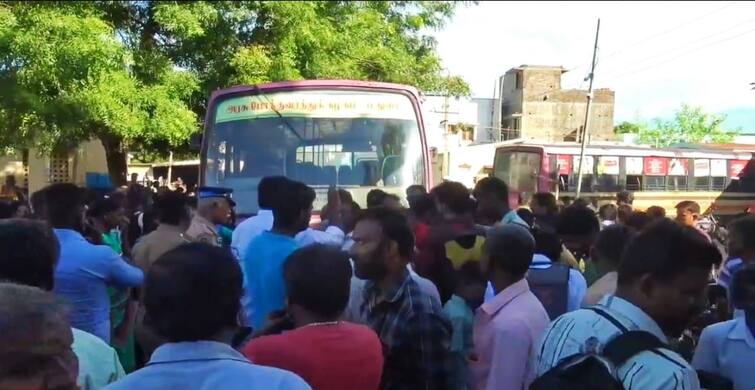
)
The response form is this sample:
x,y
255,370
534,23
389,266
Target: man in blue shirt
x,y
492,195
728,348
192,298
84,270
662,281
266,253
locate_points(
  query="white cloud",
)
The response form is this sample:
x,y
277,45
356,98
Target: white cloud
x,y
701,53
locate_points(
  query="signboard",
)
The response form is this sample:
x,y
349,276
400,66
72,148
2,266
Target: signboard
x,y
655,166
634,165
608,165
316,104
718,168
587,167
702,167
563,163
678,167
736,167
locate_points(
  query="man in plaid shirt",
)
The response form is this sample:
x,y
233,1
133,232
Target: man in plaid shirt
x,y
414,334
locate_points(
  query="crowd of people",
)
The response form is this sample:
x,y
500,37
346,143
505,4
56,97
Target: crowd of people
x,y
136,289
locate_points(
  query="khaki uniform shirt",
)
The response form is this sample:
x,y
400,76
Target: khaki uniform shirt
x,y
202,230
150,247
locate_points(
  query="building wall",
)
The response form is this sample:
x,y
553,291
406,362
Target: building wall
x,y
437,109
549,113
485,130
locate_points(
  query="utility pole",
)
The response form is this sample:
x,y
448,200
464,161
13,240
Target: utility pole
x,y
585,133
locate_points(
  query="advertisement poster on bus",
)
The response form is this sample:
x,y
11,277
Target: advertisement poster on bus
x,y
608,165
678,167
564,164
736,167
656,166
718,168
634,165
702,167
587,168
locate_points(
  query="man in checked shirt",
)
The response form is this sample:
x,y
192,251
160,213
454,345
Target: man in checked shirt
x,y
414,333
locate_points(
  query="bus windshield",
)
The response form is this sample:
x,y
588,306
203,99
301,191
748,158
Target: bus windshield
x,y
357,140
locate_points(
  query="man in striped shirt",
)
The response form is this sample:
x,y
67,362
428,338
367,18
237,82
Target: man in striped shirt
x,y
661,287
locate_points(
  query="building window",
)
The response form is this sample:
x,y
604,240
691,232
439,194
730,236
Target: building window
x,y
518,80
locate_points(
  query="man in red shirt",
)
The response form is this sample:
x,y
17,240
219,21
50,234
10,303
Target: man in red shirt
x,y
326,352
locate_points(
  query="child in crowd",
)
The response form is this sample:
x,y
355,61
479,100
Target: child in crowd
x,y
460,309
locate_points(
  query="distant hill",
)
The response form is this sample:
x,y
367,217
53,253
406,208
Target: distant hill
x,y
740,117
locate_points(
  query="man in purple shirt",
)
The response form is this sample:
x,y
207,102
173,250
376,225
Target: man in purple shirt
x,y
507,327
84,271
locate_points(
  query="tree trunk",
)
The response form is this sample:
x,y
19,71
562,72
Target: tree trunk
x,y
115,155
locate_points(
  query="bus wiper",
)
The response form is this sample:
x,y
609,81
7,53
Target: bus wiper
x,y
255,88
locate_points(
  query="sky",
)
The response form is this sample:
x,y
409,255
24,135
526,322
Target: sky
x,y
654,55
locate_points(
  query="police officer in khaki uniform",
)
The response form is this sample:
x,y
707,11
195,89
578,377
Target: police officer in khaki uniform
x,y
213,208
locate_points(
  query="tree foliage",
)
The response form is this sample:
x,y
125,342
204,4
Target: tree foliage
x,y
689,125
137,74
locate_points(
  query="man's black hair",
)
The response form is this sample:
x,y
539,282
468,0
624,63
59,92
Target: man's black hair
x,y
394,226
547,243
656,212
416,187
375,198
638,220
744,228
547,200
469,273
454,195
625,197
171,208
291,202
6,210
38,203
192,292
689,205
422,205
664,250
611,243
63,204
345,196
608,212
318,278
495,186
30,252
103,206
269,189
742,280
510,247
577,220
526,215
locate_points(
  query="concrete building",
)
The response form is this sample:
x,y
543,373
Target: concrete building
x,y
534,106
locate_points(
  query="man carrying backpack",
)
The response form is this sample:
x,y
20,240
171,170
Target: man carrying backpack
x,y
661,287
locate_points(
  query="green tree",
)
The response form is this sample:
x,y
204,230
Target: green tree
x,y
689,125
136,75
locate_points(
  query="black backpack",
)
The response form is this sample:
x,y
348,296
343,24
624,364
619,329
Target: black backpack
x,y
597,371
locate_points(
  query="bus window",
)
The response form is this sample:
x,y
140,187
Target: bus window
x,y
525,168
608,174
633,183
703,183
678,171
718,183
676,183
519,170
655,183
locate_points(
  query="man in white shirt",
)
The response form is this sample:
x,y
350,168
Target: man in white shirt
x,y
250,228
